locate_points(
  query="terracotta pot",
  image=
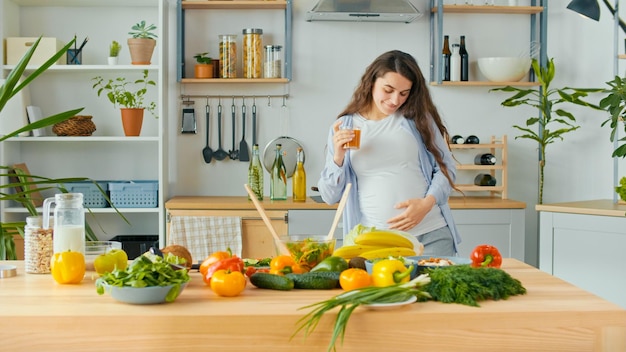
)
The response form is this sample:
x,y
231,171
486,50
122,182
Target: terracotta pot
x,y
141,50
132,119
204,70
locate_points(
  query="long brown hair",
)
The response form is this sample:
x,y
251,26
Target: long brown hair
x,y
418,107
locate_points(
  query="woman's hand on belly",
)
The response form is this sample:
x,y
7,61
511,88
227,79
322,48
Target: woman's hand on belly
x,y
414,212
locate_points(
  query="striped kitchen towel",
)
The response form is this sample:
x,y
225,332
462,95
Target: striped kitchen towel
x,y
203,235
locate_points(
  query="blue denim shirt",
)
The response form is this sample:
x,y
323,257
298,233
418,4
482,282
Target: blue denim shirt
x,y
334,178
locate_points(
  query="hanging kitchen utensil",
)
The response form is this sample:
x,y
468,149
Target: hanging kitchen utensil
x,y
339,211
220,154
207,152
289,147
282,248
244,154
233,153
253,121
189,118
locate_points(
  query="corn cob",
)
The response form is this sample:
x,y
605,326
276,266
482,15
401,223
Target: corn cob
x,y
384,239
351,251
388,252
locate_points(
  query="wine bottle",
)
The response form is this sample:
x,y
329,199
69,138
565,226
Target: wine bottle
x,y
456,139
464,60
255,173
455,64
446,53
299,178
484,180
278,184
485,159
472,140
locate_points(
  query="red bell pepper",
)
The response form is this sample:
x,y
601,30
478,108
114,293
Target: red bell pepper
x,y
486,256
233,263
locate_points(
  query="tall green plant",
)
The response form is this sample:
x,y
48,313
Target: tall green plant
x,y
552,122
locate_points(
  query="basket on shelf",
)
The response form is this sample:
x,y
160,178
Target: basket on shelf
x,y
79,125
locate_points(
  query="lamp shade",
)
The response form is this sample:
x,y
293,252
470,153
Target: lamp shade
x,y
587,8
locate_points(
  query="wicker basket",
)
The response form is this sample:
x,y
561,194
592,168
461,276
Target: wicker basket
x,y
79,125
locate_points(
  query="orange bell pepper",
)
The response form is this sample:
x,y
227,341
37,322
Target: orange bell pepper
x,y
68,267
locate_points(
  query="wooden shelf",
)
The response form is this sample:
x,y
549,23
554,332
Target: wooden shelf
x,y
485,84
237,5
506,10
234,80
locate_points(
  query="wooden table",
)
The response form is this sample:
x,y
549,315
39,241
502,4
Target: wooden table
x,y
36,314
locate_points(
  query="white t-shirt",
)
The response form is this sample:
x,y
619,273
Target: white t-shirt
x,y
388,171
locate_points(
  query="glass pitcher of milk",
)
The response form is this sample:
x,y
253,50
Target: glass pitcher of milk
x,y
69,222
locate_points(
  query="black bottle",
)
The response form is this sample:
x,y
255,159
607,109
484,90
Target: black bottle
x,y
485,159
464,60
456,139
446,53
472,140
484,180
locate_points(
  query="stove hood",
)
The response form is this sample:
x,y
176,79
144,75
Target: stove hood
x,y
363,11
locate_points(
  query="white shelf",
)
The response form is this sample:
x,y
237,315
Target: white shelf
x,y
90,139
89,68
85,3
93,210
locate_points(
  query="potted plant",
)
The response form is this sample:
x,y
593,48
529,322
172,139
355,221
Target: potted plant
x,y
204,66
550,128
114,51
142,43
129,96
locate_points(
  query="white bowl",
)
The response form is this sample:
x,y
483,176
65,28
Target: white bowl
x,y
504,69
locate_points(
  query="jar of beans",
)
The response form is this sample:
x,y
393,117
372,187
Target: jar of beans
x,y
37,246
272,66
252,53
228,56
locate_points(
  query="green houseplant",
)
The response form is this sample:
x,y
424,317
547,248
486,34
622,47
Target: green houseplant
x,y
114,52
552,122
142,42
204,66
129,96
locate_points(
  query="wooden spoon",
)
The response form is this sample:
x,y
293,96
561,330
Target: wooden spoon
x,y
282,248
342,204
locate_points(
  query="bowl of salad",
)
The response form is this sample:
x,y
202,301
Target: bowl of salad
x,y
308,251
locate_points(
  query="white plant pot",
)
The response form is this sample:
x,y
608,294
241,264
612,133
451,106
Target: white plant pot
x,y
113,60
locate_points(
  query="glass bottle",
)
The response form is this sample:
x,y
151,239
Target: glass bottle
x,y
484,180
445,71
456,139
273,66
69,222
228,56
455,64
485,159
278,184
464,60
472,140
252,52
37,246
299,178
255,173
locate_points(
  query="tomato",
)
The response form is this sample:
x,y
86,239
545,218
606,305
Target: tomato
x,y
214,257
284,264
250,270
228,283
354,278
233,263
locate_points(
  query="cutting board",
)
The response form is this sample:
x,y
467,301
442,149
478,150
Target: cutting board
x,y
14,116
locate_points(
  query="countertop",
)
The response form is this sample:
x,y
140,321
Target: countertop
x,y
36,314
242,203
605,207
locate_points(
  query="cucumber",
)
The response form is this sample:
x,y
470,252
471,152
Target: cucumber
x,y
317,280
271,281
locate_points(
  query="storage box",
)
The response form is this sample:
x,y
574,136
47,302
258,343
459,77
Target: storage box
x,y
16,47
134,194
92,197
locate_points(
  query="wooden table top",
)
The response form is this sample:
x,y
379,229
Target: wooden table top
x,y
604,207
36,314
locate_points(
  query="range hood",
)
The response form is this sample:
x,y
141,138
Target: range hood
x,y
363,11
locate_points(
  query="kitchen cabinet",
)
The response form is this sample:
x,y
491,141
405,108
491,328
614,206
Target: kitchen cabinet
x,y
465,153
233,10
107,154
439,11
574,237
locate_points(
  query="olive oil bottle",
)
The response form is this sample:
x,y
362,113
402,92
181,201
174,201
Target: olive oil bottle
x,y
299,178
278,184
255,173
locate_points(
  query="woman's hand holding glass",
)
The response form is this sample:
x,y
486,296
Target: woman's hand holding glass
x,y
340,138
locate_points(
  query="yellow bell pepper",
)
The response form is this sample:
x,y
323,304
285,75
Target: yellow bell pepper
x,y
68,267
389,272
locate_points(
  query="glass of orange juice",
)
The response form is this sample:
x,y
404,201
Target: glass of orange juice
x,y
355,143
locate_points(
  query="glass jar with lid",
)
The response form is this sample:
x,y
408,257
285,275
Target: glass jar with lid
x,y
37,246
273,65
228,55
252,52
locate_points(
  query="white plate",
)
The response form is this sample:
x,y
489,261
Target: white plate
x,y
387,306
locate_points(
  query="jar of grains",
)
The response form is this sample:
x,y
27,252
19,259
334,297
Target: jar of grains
x,y
37,246
228,56
252,52
272,66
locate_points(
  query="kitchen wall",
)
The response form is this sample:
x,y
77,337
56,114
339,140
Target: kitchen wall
x,y
328,60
